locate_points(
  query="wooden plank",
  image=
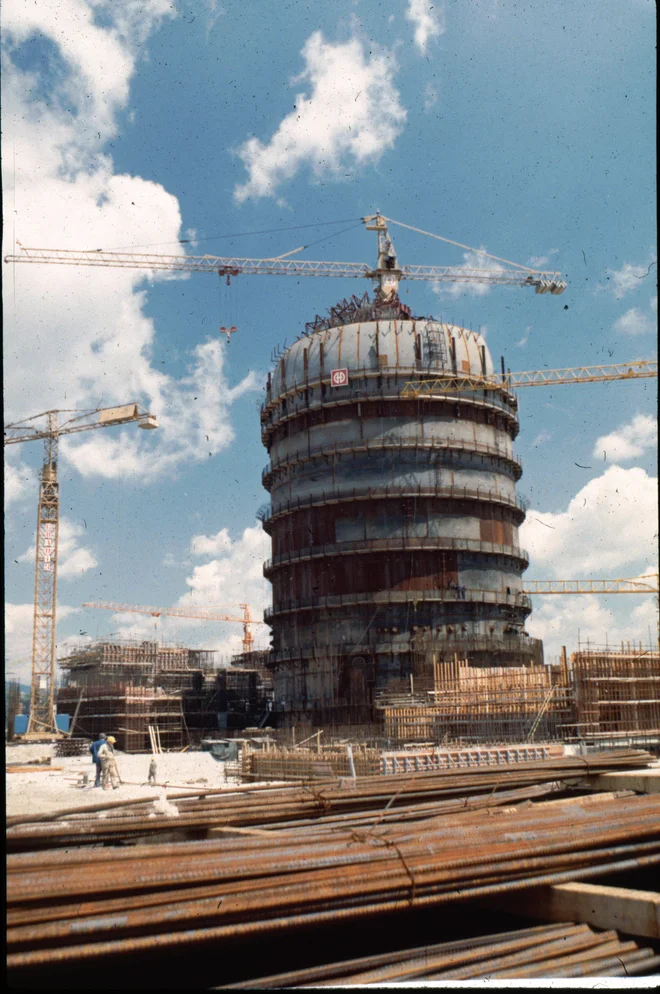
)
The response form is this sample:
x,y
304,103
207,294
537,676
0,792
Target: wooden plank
x,y
641,781
634,912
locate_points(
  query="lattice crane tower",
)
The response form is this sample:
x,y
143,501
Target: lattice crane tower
x,y
42,690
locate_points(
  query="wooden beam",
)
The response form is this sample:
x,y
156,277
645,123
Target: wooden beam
x,y
641,781
634,912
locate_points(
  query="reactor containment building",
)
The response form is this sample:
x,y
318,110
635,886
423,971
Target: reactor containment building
x,y
394,519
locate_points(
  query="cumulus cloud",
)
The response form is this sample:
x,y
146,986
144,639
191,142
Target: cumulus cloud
x,y
628,440
194,418
235,574
629,277
606,531
73,559
19,619
20,481
85,328
431,96
636,322
475,261
560,620
349,116
428,20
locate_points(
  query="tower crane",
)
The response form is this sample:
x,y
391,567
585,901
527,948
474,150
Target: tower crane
x,y
50,428
647,584
206,614
386,275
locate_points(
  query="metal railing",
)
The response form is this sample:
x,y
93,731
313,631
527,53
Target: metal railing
x,y
387,597
332,451
267,513
456,643
404,374
396,544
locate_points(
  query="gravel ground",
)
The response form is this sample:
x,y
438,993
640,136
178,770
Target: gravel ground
x,y
47,789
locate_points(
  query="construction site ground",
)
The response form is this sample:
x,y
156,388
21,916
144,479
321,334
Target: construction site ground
x,y
55,786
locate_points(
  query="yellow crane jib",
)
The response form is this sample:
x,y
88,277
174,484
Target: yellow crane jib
x,y
647,584
455,382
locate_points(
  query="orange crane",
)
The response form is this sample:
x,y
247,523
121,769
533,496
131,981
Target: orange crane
x,y
42,692
206,614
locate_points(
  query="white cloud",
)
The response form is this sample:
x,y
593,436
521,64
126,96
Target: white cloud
x,y
86,329
542,437
542,261
629,277
73,559
636,322
19,619
606,530
474,261
628,440
234,576
428,20
525,338
20,481
559,621
194,418
350,117
431,96
101,60
211,545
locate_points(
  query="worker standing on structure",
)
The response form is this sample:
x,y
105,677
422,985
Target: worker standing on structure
x,y
152,771
94,749
110,773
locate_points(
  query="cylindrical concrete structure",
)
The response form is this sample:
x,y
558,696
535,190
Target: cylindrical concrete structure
x,y
392,518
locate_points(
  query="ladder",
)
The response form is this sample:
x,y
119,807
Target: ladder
x,y
436,353
542,710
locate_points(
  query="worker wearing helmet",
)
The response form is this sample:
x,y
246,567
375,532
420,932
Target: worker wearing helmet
x,y
94,749
109,771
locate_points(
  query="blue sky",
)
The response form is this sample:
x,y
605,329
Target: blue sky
x,y
526,129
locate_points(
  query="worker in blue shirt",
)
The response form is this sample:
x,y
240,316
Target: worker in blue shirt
x,y
96,759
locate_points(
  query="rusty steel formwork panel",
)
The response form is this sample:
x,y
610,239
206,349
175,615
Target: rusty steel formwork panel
x,y
388,516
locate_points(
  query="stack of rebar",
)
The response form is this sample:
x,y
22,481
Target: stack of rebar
x,y
88,905
349,800
547,951
71,747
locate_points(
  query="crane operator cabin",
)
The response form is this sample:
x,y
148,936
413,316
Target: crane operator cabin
x,y
394,519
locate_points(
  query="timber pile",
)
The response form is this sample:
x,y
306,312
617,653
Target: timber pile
x,y
547,951
92,906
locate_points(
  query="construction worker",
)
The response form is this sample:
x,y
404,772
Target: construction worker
x,y
109,772
94,749
152,771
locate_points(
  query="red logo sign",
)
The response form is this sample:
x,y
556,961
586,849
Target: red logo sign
x,y
339,378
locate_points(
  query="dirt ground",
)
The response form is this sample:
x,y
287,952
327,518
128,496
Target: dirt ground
x,y
48,789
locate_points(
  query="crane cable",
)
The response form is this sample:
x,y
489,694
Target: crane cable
x,y
460,245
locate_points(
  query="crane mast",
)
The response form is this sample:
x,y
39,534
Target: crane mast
x,y
42,720
42,690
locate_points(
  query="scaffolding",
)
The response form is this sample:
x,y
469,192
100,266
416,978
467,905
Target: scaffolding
x,y
126,711
456,702
617,693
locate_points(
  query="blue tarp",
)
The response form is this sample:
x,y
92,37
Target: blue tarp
x,y
21,723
